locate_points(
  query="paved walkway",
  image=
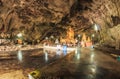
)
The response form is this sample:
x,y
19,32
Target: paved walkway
x,y
84,63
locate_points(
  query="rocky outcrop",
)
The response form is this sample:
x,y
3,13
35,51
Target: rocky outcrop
x,y
41,17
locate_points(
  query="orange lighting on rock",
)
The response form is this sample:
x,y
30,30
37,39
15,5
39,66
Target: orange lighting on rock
x,y
69,37
86,41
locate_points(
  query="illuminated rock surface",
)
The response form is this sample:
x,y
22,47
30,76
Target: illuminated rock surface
x,y
39,18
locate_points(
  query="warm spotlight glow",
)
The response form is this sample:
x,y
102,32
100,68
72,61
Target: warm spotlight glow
x,y
69,37
30,76
93,70
19,35
95,27
93,35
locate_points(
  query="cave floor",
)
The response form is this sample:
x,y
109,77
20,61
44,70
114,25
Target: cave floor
x,y
83,63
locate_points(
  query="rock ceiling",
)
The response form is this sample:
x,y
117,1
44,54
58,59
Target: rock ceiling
x,y
49,15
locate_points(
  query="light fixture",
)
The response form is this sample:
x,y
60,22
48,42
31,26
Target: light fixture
x,y
95,27
93,35
19,35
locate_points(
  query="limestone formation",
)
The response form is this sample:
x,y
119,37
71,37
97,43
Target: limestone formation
x,y
42,17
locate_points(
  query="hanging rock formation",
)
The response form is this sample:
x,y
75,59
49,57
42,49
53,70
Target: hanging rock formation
x,y
42,17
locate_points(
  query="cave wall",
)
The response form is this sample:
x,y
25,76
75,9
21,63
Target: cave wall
x,y
106,13
42,17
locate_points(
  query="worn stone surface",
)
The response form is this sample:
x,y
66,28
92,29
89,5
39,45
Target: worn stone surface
x,y
18,74
84,64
